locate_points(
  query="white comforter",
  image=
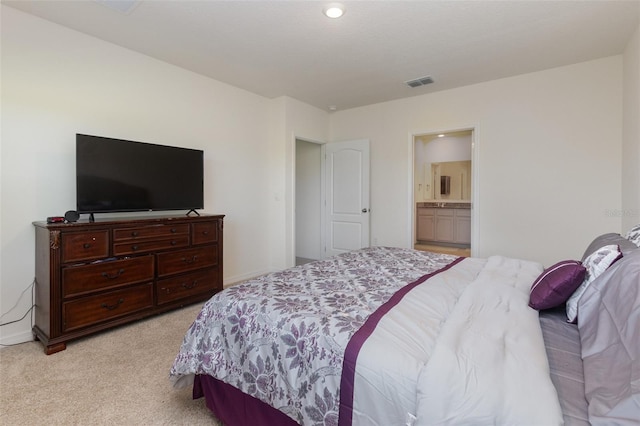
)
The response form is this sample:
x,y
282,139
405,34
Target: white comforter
x,y
476,355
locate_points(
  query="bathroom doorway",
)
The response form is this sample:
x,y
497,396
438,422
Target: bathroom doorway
x,y
443,192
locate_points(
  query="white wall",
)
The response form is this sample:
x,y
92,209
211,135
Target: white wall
x,y
630,210
301,121
448,148
56,82
549,147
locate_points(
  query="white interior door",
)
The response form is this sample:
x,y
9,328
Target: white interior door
x,y
347,196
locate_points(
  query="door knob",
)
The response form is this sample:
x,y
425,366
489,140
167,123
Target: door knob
x,y
364,210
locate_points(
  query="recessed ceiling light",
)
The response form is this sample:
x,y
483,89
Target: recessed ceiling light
x,y
441,135
332,107
334,10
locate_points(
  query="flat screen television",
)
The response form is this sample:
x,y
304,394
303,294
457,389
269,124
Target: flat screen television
x,y
116,175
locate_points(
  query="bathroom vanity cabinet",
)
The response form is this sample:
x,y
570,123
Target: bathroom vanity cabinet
x,y
443,223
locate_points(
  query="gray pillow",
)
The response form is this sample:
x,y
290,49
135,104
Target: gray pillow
x,y
625,245
609,334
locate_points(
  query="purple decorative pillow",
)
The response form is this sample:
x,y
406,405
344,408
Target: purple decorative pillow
x,y
554,286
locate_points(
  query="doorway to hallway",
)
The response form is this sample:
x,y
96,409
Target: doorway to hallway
x,y
308,201
331,208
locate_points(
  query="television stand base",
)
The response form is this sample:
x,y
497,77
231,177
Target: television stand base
x,y
91,218
194,211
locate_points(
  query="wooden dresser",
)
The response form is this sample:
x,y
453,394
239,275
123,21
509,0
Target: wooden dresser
x,y
92,276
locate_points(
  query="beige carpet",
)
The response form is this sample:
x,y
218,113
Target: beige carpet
x,y
118,377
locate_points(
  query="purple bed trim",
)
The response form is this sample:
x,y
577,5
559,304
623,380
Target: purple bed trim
x,y
234,407
357,340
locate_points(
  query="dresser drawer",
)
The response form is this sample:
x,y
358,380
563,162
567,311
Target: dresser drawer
x,y
91,310
204,233
171,289
78,280
144,246
156,231
85,245
187,260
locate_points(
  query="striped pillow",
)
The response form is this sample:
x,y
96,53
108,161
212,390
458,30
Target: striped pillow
x,y
596,264
634,235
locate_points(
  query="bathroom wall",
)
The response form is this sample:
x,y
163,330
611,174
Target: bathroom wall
x,y
436,156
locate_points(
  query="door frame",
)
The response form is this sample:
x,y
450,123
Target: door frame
x,y
475,180
290,244
297,215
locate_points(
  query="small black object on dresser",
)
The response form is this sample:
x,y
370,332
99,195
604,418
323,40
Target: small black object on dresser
x,y
92,276
71,216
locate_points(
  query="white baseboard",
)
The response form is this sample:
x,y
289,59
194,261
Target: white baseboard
x,y
14,339
236,279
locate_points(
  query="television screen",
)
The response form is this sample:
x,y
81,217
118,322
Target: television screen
x,y
115,175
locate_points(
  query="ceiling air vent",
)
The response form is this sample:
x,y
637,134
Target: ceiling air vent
x,y
422,81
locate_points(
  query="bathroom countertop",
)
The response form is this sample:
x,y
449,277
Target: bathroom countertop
x,y
445,204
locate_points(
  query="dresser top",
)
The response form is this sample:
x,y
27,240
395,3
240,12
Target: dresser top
x,y
138,220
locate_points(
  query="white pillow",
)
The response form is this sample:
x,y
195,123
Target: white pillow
x,y
596,263
634,235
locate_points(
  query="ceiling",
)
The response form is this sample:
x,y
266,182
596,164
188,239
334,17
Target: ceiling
x,y
276,48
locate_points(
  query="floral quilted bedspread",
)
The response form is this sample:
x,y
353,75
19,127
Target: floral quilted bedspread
x,y
281,337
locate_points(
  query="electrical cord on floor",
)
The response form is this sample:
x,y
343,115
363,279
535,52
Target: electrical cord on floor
x,y
30,310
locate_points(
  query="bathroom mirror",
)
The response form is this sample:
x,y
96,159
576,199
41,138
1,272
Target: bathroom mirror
x,y
456,176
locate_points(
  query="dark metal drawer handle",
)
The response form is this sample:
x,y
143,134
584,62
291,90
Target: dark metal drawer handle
x,y
113,276
205,232
173,242
112,307
88,245
192,260
134,248
190,285
134,234
174,230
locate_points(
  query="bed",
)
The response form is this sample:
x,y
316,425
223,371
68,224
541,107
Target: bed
x,y
391,336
